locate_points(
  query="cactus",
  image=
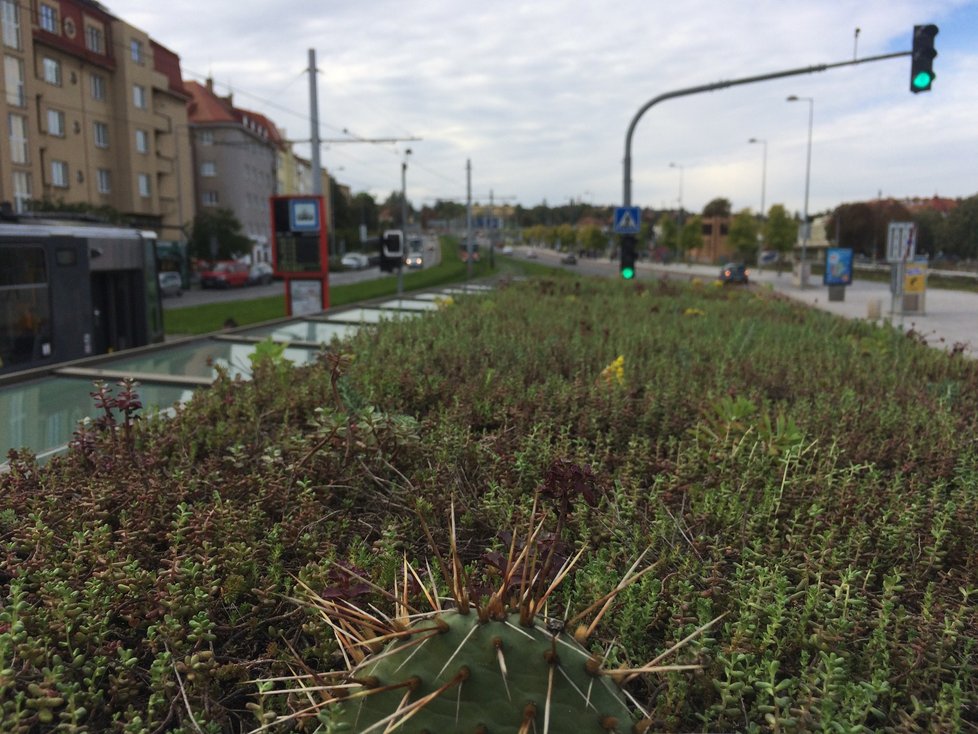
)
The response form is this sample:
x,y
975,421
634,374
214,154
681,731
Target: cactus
x,y
454,672
486,663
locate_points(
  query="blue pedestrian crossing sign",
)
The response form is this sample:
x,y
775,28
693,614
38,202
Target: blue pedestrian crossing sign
x,y
628,220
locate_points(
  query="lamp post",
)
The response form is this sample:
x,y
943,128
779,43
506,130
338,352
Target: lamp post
x,y
763,171
676,165
404,191
404,222
803,279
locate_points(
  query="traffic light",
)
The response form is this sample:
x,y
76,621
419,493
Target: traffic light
x,y
628,243
392,250
922,58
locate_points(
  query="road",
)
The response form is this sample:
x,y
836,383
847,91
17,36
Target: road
x,y
200,296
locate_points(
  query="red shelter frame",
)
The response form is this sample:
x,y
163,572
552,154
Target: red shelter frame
x,y
300,251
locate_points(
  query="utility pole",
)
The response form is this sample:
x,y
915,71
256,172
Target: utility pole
x,y
317,172
468,217
492,235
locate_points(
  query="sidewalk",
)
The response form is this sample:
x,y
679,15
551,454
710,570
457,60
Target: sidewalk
x,y
950,318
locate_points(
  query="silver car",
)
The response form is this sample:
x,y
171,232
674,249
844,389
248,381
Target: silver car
x,y
171,284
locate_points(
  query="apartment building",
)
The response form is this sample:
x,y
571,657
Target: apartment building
x,y
95,113
235,154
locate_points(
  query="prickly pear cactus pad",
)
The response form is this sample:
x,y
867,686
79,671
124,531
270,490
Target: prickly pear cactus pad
x,y
486,659
455,673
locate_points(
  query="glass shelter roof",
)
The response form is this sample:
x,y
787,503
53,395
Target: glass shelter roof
x,y
40,412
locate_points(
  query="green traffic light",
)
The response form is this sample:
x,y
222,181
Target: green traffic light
x,y
627,273
922,80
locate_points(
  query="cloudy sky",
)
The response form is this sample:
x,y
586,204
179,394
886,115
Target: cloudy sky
x,y
538,94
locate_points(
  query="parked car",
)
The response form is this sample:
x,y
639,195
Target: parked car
x,y
224,274
569,259
355,261
260,274
734,273
171,284
507,249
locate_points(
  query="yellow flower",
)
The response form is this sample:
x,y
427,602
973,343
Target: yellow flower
x,y
444,302
694,312
615,372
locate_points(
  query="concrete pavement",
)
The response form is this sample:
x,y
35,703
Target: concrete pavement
x,y
949,321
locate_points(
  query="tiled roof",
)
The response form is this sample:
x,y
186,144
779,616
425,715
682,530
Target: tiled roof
x,y
205,106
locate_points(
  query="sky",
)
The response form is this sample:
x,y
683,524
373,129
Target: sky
x,y
538,95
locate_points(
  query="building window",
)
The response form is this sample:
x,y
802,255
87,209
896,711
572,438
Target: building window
x,y
48,18
136,50
139,96
56,123
18,139
143,184
208,168
206,137
101,135
59,174
93,39
98,87
52,71
13,74
210,198
104,178
142,141
22,190
10,17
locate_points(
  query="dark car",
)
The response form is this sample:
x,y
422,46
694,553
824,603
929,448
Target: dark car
x,y
569,259
734,273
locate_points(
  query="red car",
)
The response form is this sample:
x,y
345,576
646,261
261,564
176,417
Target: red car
x,y
224,274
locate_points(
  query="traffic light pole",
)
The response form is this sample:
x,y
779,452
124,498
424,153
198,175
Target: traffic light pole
x,y
627,197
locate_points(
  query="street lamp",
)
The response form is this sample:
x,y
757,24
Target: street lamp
x,y
676,165
404,222
763,171
404,191
808,174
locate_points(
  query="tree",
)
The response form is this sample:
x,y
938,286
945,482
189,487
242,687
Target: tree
x,y
366,211
668,233
930,230
961,229
863,226
216,235
742,236
691,235
780,232
853,225
591,238
566,236
719,207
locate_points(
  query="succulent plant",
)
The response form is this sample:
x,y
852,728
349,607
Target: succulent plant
x,y
454,672
485,662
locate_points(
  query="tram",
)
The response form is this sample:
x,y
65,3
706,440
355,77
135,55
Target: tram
x,y
70,290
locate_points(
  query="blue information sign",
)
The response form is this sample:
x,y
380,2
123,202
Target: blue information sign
x,y
628,220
